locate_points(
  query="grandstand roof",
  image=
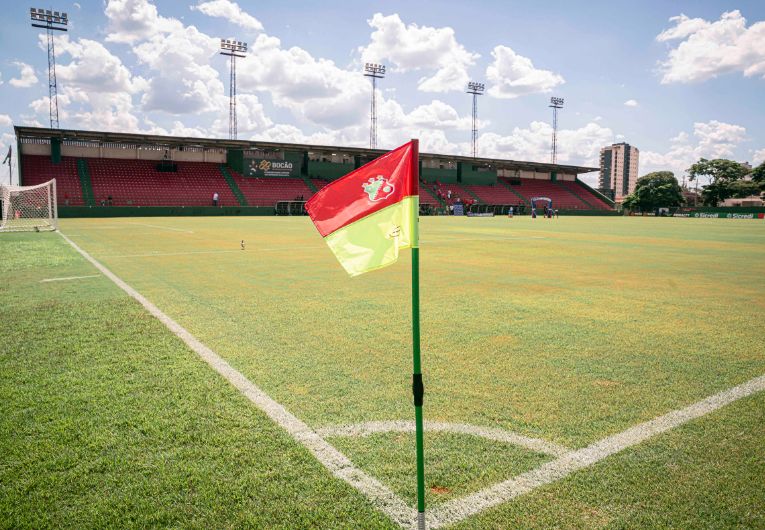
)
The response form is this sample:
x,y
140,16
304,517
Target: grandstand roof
x,y
170,142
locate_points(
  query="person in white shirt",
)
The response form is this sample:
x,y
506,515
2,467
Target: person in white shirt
x,y
215,199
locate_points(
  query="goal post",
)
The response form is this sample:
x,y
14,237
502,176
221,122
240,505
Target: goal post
x,y
29,208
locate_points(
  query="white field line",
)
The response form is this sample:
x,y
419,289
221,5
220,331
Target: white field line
x,y
69,278
497,435
163,227
335,461
458,509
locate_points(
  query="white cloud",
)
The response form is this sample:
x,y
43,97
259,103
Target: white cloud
x,y
713,139
95,88
27,77
759,157
511,75
93,68
183,81
415,48
631,103
134,20
435,115
575,146
709,49
250,116
315,90
5,121
684,27
230,11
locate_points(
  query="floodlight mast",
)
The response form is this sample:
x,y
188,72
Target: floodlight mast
x,y
374,71
50,21
477,90
233,49
555,104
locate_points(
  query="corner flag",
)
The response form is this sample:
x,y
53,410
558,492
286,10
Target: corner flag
x,y
366,217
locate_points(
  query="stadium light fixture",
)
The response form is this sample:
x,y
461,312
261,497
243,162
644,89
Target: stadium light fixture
x,y
50,21
374,71
47,19
233,47
476,89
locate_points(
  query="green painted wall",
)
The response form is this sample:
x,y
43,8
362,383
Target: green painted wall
x,y
55,150
431,174
328,170
235,160
469,174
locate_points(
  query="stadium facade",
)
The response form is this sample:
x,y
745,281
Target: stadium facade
x,y
97,168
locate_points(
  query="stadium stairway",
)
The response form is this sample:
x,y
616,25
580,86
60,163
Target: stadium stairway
x,y
430,197
594,195
508,186
310,184
234,186
85,182
472,194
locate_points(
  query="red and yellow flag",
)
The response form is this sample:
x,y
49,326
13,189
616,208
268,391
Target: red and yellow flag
x,y
369,214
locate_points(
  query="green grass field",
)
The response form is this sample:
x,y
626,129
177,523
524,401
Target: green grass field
x,y
566,330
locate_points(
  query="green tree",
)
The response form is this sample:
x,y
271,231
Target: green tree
x,y
758,174
659,189
722,175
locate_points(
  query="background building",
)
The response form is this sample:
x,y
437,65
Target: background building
x,y
618,170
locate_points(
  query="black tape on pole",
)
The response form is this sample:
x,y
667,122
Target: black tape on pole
x,y
418,389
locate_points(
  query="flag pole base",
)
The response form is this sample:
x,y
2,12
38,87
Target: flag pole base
x,y
420,520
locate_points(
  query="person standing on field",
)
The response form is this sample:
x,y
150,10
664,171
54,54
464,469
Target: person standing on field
x,y
215,199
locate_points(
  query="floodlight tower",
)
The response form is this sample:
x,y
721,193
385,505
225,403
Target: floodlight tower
x,y
233,49
476,89
50,21
375,71
555,104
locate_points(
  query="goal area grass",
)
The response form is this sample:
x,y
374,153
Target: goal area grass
x,y
564,331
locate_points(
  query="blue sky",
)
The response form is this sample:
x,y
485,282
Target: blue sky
x,y
679,80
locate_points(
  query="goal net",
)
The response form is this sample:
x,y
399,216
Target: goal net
x,y
27,208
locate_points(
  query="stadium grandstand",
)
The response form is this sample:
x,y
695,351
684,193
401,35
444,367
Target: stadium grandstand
x,y
106,173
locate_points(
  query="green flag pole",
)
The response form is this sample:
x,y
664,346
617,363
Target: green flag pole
x,y
418,388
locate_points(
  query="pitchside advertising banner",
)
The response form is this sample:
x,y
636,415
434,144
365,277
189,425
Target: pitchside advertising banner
x,y
269,167
716,215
